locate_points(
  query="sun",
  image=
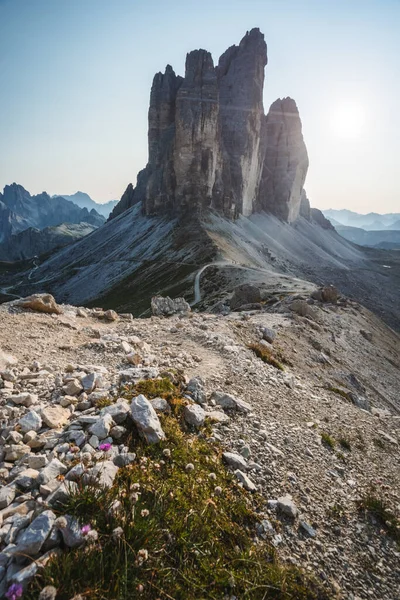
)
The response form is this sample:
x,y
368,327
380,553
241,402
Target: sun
x,y
348,120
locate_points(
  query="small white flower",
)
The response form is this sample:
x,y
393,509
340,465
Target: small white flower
x,y
61,522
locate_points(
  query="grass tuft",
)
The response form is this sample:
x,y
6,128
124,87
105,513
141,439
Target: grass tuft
x,y
181,537
344,443
103,402
375,505
152,388
328,440
266,355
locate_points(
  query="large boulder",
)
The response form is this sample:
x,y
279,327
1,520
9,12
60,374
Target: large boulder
x,y
166,307
245,294
44,303
7,360
36,534
55,416
194,415
229,402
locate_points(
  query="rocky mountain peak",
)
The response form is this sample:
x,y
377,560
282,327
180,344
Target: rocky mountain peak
x,y
285,161
211,145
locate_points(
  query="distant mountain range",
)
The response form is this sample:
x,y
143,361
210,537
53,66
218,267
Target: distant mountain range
x,y
386,238
373,229
85,201
19,211
370,222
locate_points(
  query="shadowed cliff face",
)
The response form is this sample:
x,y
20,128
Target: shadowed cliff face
x,y
285,162
241,117
211,146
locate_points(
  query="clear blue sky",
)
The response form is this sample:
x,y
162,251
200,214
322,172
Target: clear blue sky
x,y
75,79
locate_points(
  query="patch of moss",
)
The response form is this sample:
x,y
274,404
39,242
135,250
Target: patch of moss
x,y
185,534
103,402
152,388
266,355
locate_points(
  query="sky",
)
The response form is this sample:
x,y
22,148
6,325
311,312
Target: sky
x,y
75,78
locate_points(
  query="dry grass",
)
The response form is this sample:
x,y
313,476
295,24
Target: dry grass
x,y
266,355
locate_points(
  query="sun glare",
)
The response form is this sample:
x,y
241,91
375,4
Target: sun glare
x,y
348,120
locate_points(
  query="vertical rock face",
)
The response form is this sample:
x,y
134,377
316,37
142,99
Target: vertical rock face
x,y
305,209
196,138
210,144
241,114
285,162
156,184
127,201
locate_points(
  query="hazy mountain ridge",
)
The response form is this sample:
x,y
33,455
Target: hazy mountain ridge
x,y
370,222
19,211
373,229
85,201
384,238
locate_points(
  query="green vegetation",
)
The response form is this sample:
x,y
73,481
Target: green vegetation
x,y
344,443
374,504
341,457
328,440
266,355
175,525
152,388
168,387
103,402
336,511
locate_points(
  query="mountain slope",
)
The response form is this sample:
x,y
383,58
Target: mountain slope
x,y
198,214
386,238
34,242
133,257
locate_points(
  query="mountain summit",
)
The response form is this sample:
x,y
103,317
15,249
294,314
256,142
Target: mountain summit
x,y
212,146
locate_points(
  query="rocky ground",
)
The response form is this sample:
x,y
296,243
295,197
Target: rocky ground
x,y
314,439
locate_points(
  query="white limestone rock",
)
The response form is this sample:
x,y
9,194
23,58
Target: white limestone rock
x,y
146,420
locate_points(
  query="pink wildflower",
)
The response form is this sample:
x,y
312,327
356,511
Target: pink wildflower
x,y
105,447
15,591
85,529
